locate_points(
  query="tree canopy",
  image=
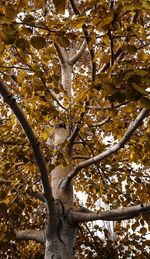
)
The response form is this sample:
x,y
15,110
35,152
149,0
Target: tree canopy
x,y
105,44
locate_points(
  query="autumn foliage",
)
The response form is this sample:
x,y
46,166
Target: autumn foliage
x,y
108,108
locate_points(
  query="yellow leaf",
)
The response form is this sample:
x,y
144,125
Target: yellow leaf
x,y
143,231
105,58
133,156
44,135
97,55
142,55
39,3
63,40
146,4
92,41
2,47
105,21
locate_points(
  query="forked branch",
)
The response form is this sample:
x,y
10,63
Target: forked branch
x,y
78,55
111,215
86,34
144,112
10,100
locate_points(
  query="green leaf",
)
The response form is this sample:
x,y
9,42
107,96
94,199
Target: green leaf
x,y
38,42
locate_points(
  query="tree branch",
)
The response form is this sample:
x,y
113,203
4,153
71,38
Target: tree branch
x,y
78,55
5,181
86,34
110,215
118,53
37,195
10,100
99,124
107,107
110,150
30,234
61,54
80,157
73,137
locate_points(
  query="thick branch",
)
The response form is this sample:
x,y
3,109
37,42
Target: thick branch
x,y
110,150
61,54
30,234
79,54
111,215
10,100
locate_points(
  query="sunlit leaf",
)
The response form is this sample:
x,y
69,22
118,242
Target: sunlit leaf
x,y
106,21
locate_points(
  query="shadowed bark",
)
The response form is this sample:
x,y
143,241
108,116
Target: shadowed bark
x,y
111,215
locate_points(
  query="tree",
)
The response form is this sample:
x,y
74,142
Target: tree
x,y
74,117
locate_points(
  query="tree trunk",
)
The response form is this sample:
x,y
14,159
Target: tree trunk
x,y
61,244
